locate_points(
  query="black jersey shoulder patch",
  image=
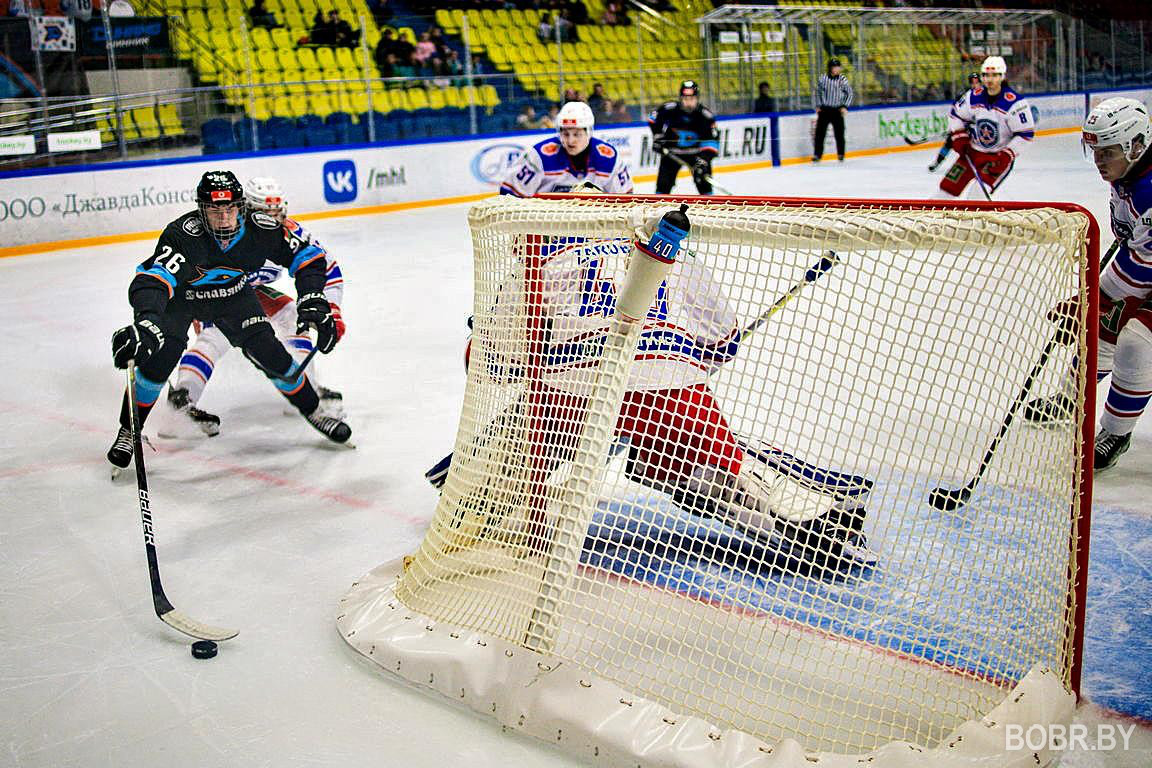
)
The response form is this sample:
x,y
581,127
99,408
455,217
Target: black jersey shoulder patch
x,y
264,221
193,226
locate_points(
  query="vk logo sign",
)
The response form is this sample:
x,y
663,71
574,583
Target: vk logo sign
x,y
340,181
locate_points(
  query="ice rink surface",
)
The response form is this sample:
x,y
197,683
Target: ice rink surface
x,y
264,527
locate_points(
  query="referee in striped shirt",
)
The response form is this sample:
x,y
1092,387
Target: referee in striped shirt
x,y
831,98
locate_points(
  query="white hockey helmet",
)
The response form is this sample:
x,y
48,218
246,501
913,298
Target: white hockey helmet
x,y
994,65
1119,122
575,114
263,193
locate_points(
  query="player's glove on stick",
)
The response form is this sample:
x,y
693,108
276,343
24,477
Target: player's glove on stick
x,y
701,170
961,143
660,145
136,342
313,309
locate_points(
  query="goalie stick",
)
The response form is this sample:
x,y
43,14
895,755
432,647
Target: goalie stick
x,y
983,188
164,609
438,474
949,499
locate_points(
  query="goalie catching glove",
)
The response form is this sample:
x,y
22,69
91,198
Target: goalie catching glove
x,y
701,170
136,342
313,309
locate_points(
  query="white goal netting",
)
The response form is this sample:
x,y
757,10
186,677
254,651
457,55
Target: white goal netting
x,y
783,510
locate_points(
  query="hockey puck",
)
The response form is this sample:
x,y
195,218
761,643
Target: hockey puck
x,y
203,649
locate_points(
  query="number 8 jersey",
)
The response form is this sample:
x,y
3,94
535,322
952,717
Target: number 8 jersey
x,y
546,167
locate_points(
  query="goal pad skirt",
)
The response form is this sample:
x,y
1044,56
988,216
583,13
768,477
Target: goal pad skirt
x,y
564,704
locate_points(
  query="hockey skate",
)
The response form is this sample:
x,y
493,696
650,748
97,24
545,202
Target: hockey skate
x,y
120,454
1109,449
181,403
1049,411
329,424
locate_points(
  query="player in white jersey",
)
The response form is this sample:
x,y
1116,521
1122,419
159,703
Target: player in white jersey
x,y
988,124
1117,133
678,439
573,156
200,359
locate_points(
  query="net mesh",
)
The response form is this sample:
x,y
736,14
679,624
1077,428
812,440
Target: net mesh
x,y
734,520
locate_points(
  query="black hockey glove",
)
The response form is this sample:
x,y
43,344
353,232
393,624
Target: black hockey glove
x,y
313,309
701,170
136,342
660,145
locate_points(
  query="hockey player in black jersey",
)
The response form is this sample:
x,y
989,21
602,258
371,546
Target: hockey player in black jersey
x,y
199,272
684,134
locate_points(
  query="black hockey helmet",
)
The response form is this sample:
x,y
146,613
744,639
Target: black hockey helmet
x,y
689,88
973,78
220,190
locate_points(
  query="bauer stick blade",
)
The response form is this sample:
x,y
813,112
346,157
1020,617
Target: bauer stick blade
x,y
160,602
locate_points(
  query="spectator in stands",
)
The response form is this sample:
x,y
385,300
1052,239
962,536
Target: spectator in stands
x,y
384,47
615,15
566,29
527,120
596,101
322,32
571,94
577,11
387,65
544,31
342,32
549,120
764,101
436,35
381,11
258,15
452,67
620,112
425,50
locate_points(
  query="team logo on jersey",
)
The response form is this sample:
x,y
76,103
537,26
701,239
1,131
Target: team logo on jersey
x,y
606,150
987,133
1009,96
264,221
549,147
215,276
193,226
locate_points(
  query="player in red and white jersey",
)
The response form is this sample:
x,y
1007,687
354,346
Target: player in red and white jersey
x,y
1117,134
679,440
200,359
989,124
572,157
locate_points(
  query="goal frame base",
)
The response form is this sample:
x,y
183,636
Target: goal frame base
x,y
560,703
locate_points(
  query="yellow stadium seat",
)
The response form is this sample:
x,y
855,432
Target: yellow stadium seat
x,y
197,22
286,58
488,96
347,62
418,98
445,21
261,40
311,75
436,99
281,39
170,122
306,58
326,59
145,121
283,106
321,105
360,103
266,61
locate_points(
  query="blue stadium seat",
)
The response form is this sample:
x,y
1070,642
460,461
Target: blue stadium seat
x,y
217,137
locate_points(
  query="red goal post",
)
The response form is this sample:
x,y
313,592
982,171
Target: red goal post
x,y
891,342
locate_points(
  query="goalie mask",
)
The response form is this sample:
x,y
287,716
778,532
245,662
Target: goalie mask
x,y
1116,135
263,194
220,199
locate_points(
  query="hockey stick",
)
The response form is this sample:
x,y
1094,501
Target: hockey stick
x,y
819,268
708,179
169,615
292,373
971,167
916,142
946,499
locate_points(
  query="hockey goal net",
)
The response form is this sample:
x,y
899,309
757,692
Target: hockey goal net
x,y
794,511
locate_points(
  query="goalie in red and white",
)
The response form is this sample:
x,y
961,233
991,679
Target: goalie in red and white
x,y
989,124
200,359
678,440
